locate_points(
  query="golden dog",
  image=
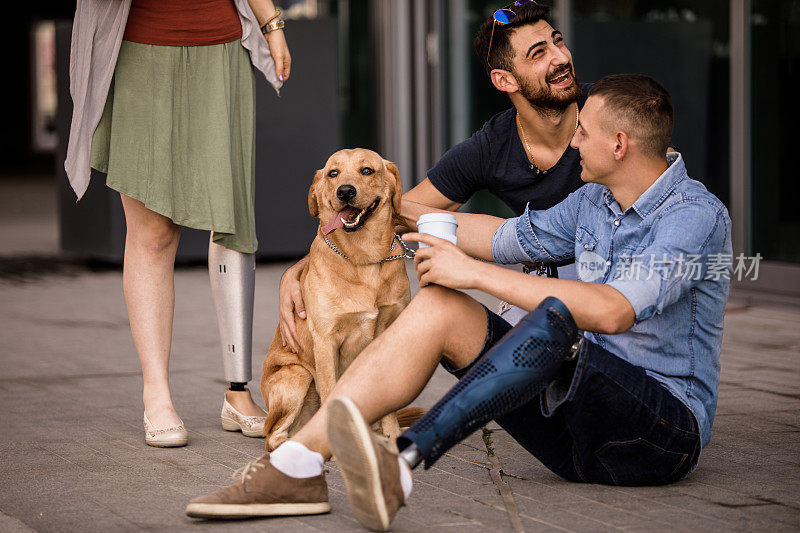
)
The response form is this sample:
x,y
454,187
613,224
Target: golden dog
x,y
354,286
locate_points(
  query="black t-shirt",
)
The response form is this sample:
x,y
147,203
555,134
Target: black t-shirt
x,y
494,159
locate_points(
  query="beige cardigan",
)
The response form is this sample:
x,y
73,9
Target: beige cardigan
x,y
96,37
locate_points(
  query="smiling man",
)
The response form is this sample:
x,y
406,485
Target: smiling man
x,y
521,155
612,381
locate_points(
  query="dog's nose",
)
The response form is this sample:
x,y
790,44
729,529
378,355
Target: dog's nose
x,y
346,193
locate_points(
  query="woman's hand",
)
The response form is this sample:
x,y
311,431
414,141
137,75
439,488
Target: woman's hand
x,y
280,53
443,263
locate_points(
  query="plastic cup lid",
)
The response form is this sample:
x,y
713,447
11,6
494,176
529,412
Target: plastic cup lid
x,y
437,217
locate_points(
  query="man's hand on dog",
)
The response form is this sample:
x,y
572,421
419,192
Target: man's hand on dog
x,y
443,263
290,299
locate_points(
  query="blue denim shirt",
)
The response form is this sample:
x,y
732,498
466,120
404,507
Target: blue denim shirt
x,y
669,254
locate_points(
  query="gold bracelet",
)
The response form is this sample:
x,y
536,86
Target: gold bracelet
x,y
273,17
272,26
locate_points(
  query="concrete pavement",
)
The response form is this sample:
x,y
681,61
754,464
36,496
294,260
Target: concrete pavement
x,y
74,459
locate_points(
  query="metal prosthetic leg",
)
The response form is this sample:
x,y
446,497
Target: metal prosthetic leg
x,y
233,277
512,373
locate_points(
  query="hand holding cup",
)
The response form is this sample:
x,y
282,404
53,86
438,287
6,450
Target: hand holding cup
x,y
438,259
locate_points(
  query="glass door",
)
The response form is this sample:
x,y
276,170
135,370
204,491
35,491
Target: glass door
x,y
774,27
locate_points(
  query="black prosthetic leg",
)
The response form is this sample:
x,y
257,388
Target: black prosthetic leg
x,y
512,373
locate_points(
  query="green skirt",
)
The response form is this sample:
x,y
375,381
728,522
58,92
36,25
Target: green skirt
x,y
178,134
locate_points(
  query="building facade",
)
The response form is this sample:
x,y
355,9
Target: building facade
x,y
411,86
730,66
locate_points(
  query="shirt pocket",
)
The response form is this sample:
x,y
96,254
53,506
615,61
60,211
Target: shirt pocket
x,y
585,241
590,261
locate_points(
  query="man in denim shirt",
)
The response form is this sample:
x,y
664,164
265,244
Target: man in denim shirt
x,y
630,401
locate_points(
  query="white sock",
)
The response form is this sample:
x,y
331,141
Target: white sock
x,y
405,477
295,460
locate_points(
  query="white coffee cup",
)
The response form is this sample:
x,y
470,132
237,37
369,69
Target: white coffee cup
x,y
442,225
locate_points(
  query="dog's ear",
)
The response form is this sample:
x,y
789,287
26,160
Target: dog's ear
x,y
313,206
397,197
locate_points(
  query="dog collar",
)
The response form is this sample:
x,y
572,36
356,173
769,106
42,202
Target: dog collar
x,y
407,252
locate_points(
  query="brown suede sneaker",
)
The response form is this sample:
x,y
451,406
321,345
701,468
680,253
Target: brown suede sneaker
x,y
264,491
369,464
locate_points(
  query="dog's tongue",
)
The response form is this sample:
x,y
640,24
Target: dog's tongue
x,y
336,220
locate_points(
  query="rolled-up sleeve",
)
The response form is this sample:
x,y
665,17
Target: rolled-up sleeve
x,y
691,244
540,236
506,249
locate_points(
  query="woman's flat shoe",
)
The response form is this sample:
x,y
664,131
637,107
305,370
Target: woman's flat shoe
x,y
233,420
167,437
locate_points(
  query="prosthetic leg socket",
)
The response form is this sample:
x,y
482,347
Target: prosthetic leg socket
x,y
233,277
512,373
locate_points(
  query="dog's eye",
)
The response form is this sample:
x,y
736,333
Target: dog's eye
x,y
333,173
367,171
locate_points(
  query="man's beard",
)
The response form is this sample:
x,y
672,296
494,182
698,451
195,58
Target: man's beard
x,y
545,99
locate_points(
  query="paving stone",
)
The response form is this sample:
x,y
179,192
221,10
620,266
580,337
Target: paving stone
x,y
9,524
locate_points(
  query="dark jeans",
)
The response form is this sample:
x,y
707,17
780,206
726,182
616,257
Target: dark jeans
x,y
608,421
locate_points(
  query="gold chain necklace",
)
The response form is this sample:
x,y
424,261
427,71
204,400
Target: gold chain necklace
x,y
528,150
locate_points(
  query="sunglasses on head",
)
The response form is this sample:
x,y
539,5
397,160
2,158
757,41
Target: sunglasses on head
x,y
504,15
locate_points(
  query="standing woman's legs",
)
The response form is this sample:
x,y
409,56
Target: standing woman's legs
x,y
232,277
148,283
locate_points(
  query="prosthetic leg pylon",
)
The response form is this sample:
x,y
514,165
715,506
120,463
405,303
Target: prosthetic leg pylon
x,y
233,276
